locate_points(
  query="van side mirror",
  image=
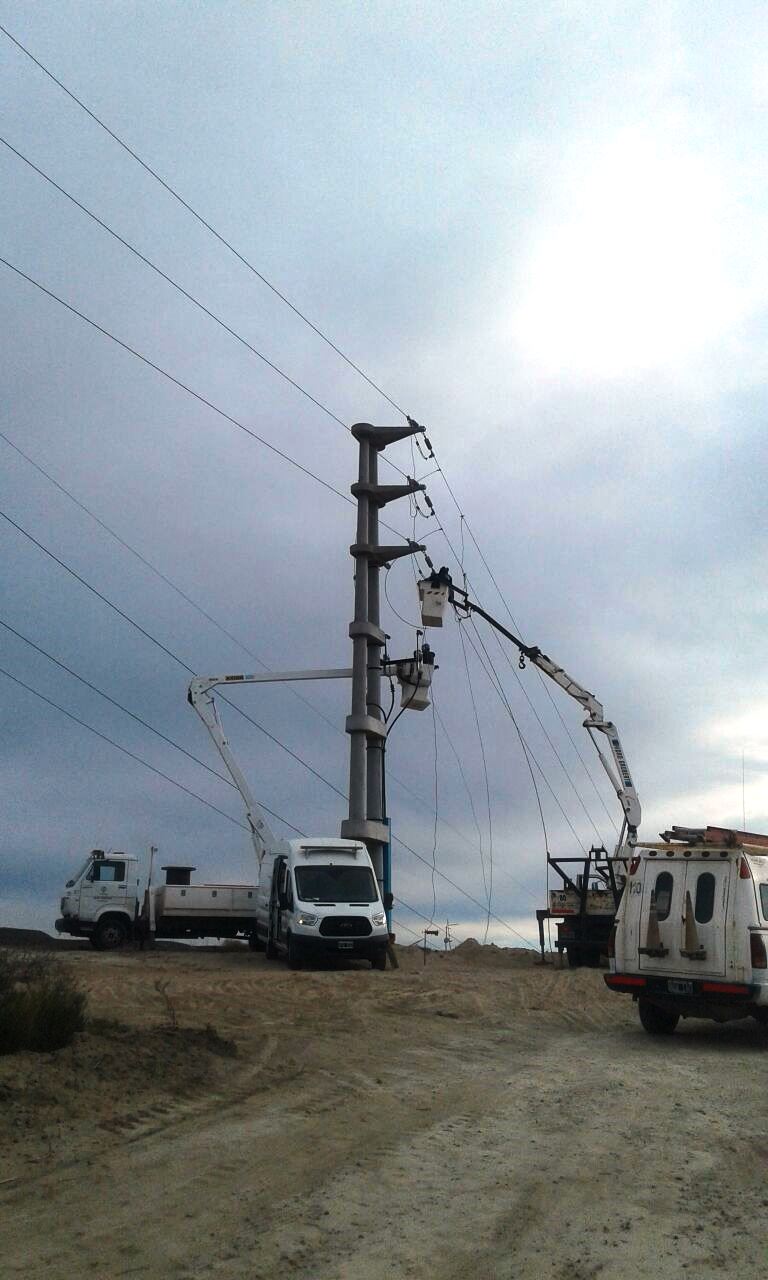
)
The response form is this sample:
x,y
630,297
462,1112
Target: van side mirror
x,y
389,901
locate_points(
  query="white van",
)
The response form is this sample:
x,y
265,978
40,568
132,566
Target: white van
x,y
691,931
317,898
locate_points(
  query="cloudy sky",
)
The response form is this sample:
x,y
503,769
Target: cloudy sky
x,y
540,229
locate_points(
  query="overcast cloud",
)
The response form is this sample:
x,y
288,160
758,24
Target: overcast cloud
x,y
540,228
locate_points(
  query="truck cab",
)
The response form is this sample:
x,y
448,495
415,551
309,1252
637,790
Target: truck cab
x,y
101,901
320,898
691,933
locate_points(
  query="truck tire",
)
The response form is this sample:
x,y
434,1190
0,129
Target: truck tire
x,y
656,1020
575,958
295,954
110,934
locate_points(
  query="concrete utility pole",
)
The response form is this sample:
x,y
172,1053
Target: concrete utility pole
x,y
366,725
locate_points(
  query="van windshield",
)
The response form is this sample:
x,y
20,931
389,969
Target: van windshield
x,y
336,884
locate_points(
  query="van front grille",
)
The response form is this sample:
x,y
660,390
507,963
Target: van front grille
x,y
345,927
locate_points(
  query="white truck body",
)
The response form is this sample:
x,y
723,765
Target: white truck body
x,y
106,903
691,933
319,897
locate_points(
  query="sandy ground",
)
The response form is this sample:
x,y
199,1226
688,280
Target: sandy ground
x,y
480,1117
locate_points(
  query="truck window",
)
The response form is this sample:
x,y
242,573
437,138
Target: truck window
x,y
764,900
336,884
705,898
663,892
111,871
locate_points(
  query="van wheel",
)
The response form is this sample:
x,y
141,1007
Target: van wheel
x,y
379,960
109,935
295,953
255,942
656,1020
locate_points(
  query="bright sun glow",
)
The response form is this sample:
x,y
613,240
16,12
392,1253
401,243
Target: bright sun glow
x,y
633,277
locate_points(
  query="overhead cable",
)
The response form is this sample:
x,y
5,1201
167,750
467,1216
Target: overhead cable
x,y
203,222
84,725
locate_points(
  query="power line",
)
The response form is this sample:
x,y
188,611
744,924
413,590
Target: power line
x,y
203,222
107,697
83,724
169,652
488,883
174,284
189,390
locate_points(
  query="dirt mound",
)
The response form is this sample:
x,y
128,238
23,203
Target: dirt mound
x,y
488,954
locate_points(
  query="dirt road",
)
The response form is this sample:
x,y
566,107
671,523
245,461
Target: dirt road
x,y
482,1117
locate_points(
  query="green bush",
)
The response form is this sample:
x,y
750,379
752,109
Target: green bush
x,y
41,1006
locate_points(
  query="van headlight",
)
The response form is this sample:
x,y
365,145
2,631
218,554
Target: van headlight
x,y
307,918
379,918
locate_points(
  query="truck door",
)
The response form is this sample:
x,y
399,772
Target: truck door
x,y
105,886
665,885
282,901
706,895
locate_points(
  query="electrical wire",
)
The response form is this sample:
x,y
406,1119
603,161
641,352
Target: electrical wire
x,y
203,222
169,652
487,881
189,391
188,791
107,697
174,283
434,830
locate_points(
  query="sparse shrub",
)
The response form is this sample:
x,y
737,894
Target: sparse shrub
x,y
41,1007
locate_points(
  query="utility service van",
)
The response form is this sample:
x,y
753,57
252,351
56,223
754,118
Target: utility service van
x,y
320,897
691,932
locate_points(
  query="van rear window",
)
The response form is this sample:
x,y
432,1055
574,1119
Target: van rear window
x,y
663,894
764,900
705,898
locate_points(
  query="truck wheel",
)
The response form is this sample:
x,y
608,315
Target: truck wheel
x,y
109,934
656,1020
575,958
295,953
379,960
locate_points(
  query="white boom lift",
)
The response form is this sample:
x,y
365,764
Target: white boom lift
x,y
200,696
438,590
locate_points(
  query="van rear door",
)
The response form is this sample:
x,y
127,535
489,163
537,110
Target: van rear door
x,y
707,885
701,888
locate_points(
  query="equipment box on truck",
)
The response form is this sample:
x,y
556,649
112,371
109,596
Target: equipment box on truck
x,y
691,933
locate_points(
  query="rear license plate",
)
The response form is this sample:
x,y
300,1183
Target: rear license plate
x,y
346,946
678,987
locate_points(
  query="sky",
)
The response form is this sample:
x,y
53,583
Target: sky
x,y
538,229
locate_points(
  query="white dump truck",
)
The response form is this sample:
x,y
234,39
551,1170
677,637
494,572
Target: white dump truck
x,y
107,902
691,932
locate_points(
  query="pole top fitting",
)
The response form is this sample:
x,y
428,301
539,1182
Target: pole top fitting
x,y
380,437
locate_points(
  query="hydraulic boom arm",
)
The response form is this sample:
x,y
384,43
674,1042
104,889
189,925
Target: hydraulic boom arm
x,y
595,721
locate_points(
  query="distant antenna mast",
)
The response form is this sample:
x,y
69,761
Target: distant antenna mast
x,y
743,795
